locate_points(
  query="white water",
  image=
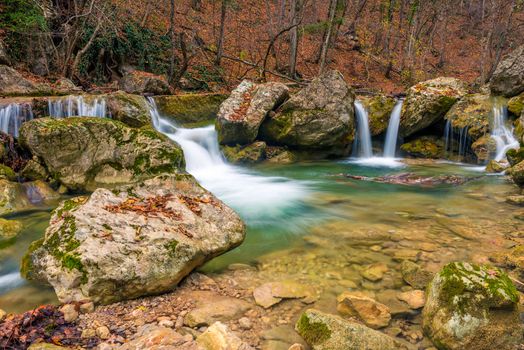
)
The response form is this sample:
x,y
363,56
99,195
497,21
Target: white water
x,y
257,198
364,136
76,106
501,133
390,146
13,115
10,281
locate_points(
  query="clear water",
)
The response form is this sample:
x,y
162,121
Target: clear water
x,y
363,140
502,132
390,145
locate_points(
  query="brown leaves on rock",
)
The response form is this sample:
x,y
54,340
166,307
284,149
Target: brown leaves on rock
x,y
152,206
193,203
240,112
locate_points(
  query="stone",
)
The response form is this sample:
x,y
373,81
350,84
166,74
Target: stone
x,y
240,116
245,323
414,298
88,333
369,311
156,338
414,275
145,240
190,108
427,102
329,332
9,230
281,337
272,293
248,154
139,82
3,314
87,307
496,167
166,323
516,105
211,308
45,346
33,170
132,110
484,148
430,147
374,272
517,173
65,86
84,154
515,156
297,347
103,332
472,113
320,117
515,200
13,83
12,197
472,306
7,173
70,313
508,78
379,109
219,337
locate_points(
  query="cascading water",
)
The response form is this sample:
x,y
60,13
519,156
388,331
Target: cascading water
x,y
13,115
257,198
450,146
77,106
364,136
390,146
501,133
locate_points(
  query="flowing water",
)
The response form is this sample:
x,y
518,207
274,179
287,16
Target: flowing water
x,y
70,106
13,115
364,136
501,132
390,145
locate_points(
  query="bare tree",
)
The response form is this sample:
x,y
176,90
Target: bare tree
x,y
220,43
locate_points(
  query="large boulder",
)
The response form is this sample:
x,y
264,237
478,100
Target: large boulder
x,y
427,102
471,113
516,105
319,117
484,148
329,332
139,82
190,108
130,109
517,173
379,109
13,83
145,239
430,147
241,115
86,153
508,78
472,307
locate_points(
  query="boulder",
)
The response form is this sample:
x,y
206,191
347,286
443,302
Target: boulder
x,y
366,309
484,148
7,173
12,197
414,275
472,113
515,156
517,173
151,337
379,109
86,153
427,102
146,238
9,229
519,129
4,57
139,82
472,307
320,117
132,110
13,83
249,154
64,86
329,332
430,147
240,116
508,78
494,166
190,108
516,105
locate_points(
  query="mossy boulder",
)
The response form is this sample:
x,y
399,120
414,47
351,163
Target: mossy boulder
x,y
132,110
12,197
508,78
190,108
430,147
496,166
140,82
484,148
471,113
324,331
517,173
7,173
379,109
516,105
145,239
519,129
33,170
427,102
86,153
319,117
515,156
470,306
249,154
9,229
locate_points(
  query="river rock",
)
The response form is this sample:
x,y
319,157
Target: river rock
x,y
414,275
374,272
329,332
156,338
139,82
517,173
414,298
87,153
132,110
472,307
494,166
516,105
430,147
369,311
379,109
515,200
9,229
515,156
318,117
12,197
212,307
145,240
484,148
190,108
427,102
248,154
13,83
272,293
508,78
241,115
219,337
471,113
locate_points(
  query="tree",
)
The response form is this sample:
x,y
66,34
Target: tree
x,y
220,42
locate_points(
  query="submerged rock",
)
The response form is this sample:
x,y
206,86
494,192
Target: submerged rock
x,y
272,293
508,78
427,102
318,117
190,108
412,179
9,229
139,82
471,113
249,154
430,147
145,240
379,109
132,110
366,309
414,275
329,332
472,307
86,153
241,115
211,308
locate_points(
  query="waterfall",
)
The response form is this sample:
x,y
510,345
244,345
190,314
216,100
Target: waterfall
x,y
76,106
390,146
13,115
257,198
10,281
501,133
364,136
464,141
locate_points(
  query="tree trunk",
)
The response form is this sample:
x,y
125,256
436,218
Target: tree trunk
x,y
220,44
293,40
173,42
327,39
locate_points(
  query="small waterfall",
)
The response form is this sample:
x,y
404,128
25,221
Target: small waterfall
x,y
501,133
390,146
364,136
13,115
450,145
71,106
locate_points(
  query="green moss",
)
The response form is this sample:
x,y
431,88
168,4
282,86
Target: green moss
x,y
107,227
190,108
171,248
313,332
516,105
7,172
26,266
425,146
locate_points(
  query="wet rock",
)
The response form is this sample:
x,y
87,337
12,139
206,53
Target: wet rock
x,y
414,298
516,200
33,170
281,337
88,153
272,293
87,307
508,78
7,173
471,113
280,155
484,148
414,275
249,154
212,307
517,173
379,109
70,312
219,337
430,147
190,108
241,115
516,105
472,307
515,156
138,82
374,272
132,110
427,102
9,229
319,117
329,332
156,338
496,167
369,311
145,240
412,179
12,197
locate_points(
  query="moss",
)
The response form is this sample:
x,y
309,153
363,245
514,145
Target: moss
x,y
190,108
516,105
171,248
7,172
425,146
26,266
312,332
379,108
107,227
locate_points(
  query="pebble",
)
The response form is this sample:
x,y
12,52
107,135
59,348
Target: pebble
x,y
70,313
245,323
297,346
104,346
87,308
103,332
166,323
88,333
3,314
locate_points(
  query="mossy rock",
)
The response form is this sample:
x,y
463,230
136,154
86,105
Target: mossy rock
x,y
516,105
132,110
425,147
9,229
249,154
471,306
473,113
517,173
515,156
190,108
495,167
7,173
379,109
484,148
